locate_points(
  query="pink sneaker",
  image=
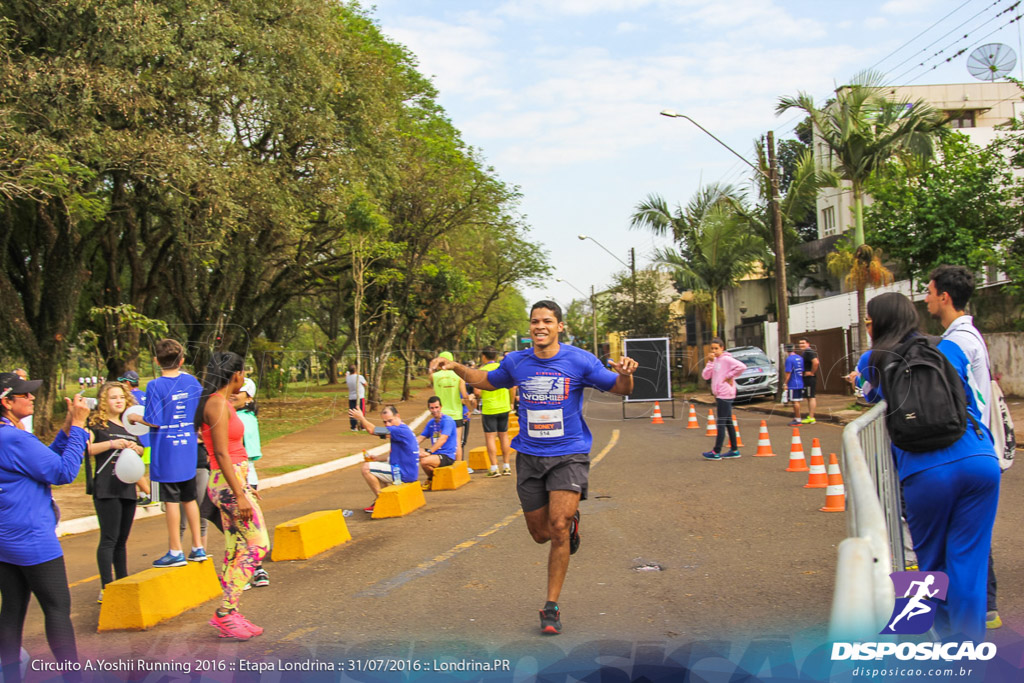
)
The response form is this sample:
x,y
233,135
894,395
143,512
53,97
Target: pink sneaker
x,y
231,625
253,628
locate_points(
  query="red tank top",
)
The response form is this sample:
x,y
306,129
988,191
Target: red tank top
x,y
236,430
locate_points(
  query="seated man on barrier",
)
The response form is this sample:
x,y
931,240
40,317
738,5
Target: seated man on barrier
x,y
441,431
400,464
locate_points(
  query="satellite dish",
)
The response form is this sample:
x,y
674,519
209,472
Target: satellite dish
x,y
991,61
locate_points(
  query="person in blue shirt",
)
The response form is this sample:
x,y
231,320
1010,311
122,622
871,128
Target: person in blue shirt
x,y
950,493
442,432
171,403
404,451
794,381
31,558
553,450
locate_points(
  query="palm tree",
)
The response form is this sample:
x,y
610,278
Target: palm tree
x,y
864,129
715,247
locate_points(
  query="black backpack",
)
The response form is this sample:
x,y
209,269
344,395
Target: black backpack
x,y
926,403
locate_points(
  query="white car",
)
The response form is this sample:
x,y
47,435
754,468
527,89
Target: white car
x,y
760,378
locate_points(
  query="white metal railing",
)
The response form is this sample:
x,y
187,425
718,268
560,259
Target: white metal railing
x,y
864,597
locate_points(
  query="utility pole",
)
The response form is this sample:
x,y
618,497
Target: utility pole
x,y
782,305
632,270
593,316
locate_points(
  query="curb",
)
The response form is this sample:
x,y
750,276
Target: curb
x,y
839,417
91,523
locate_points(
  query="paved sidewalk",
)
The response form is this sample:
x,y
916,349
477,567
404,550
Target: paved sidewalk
x,y
831,407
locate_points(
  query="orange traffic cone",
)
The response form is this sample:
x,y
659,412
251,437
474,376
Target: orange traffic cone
x,y
835,494
736,428
817,478
712,427
692,422
764,445
656,418
797,462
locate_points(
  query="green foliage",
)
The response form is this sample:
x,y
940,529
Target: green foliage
x,y
649,316
955,210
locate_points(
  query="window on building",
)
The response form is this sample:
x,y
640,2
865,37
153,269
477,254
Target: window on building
x,y
828,220
961,119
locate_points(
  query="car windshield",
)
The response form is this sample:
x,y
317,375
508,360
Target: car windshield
x,y
752,359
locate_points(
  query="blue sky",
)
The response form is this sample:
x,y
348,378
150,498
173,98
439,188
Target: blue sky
x,y
563,96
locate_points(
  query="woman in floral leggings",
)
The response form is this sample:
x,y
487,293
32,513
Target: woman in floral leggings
x,y
245,533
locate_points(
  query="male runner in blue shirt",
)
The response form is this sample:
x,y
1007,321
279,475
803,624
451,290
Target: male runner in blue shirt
x,y
553,451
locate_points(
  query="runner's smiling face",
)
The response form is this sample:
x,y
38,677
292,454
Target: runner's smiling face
x,y
544,327
435,410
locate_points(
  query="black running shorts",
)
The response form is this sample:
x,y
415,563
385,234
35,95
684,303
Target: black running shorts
x,y
495,423
178,492
810,385
537,475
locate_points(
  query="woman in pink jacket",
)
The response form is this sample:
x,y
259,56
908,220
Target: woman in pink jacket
x,y
722,369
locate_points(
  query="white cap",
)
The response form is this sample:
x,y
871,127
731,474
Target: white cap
x,y
249,387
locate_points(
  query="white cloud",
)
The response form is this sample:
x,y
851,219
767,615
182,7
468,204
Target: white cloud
x,y
876,23
908,6
627,27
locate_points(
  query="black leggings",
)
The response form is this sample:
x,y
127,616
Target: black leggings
x,y
49,583
723,408
116,516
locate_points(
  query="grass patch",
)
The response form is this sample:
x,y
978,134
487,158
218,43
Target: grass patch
x,y
280,469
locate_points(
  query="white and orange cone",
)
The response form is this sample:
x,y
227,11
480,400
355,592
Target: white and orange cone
x,y
817,478
692,422
736,428
835,494
797,461
712,427
656,418
764,444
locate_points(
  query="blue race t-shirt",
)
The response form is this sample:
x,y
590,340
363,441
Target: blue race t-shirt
x,y
405,452
434,431
171,403
970,444
795,365
551,397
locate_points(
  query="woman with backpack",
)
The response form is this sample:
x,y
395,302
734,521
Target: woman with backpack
x,y
951,491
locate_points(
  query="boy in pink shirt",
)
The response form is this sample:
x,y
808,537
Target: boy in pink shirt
x,y
722,369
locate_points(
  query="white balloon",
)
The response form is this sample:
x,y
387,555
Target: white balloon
x,y
129,467
135,428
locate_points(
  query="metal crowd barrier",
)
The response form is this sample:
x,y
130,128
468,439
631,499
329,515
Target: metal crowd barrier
x,y
864,598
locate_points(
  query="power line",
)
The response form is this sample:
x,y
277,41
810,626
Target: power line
x,y
922,33
962,51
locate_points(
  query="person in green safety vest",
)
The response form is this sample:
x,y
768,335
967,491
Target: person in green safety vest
x,y
495,408
451,389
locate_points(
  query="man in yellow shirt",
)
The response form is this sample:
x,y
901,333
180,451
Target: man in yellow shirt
x,y
451,389
495,407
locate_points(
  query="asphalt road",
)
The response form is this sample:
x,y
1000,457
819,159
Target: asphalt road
x,y
676,550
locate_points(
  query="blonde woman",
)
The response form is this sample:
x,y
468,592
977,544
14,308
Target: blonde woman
x,y
113,499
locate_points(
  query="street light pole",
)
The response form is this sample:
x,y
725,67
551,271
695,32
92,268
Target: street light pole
x,y
782,312
631,265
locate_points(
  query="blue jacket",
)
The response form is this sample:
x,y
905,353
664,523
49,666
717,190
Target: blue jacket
x,y
28,514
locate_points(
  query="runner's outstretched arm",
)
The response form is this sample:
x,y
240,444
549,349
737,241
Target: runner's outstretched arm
x,y
474,376
624,382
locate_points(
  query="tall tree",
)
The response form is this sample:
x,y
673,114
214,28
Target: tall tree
x,y
864,128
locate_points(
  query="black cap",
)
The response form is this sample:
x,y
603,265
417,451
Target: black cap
x,y
129,376
10,383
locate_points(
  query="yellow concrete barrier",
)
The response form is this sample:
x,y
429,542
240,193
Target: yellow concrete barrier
x,y
478,458
398,500
139,601
451,477
306,536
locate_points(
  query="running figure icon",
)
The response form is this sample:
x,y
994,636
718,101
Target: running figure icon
x,y
917,605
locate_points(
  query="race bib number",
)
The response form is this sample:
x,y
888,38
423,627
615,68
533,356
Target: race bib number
x,y
545,424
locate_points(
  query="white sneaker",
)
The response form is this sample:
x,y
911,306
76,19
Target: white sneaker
x,y
470,470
